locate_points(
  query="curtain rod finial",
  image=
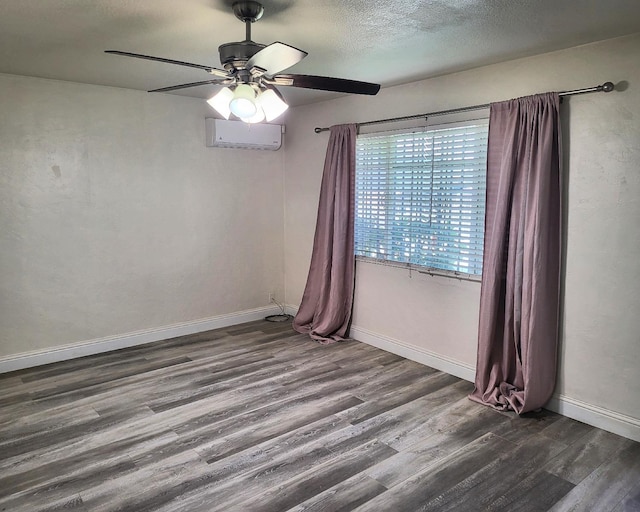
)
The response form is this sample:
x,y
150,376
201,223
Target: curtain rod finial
x,y
317,130
607,87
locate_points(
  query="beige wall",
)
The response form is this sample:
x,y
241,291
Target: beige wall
x,y
116,218
600,349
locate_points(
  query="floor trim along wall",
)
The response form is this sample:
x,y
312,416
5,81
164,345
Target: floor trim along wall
x,y
600,417
414,353
100,345
595,416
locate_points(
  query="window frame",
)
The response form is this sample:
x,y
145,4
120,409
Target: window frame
x,y
429,270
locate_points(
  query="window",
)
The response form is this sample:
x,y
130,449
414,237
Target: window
x,y
420,197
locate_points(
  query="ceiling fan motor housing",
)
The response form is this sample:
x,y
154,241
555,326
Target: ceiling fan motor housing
x,y
236,55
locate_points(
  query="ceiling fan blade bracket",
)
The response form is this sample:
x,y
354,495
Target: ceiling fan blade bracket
x,y
257,71
218,72
279,80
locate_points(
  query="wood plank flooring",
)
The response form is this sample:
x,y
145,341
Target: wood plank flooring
x,y
258,418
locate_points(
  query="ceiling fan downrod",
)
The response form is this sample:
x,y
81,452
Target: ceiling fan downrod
x,y
248,11
234,56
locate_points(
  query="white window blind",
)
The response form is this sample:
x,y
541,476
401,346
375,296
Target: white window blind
x,y
420,196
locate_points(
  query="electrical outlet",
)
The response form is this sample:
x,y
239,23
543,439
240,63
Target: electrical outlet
x,y
272,297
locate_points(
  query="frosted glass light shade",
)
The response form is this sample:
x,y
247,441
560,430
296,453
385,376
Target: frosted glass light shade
x,y
272,104
258,117
220,102
243,103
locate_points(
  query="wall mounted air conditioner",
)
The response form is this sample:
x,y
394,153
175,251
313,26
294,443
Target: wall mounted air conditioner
x,y
237,134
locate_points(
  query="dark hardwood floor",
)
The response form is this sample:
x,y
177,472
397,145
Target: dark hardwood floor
x,y
258,418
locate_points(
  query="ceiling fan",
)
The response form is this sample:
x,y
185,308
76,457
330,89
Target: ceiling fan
x,y
253,70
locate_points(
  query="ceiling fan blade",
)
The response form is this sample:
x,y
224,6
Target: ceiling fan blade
x,y
275,58
185,86
208,69
327,83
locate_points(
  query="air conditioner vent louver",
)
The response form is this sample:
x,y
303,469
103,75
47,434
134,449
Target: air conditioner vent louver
x,y
237,134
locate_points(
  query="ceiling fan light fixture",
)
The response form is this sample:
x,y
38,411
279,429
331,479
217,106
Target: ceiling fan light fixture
x,y
272,104
243,104
220,102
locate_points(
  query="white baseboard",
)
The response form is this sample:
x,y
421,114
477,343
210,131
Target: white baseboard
x,y
611,421
100,345
606,419
593,415
414,353
402,349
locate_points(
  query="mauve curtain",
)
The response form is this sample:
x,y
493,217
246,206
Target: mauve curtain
x,y
519,300
325,311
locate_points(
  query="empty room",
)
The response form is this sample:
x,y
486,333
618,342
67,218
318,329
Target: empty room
x,y
291,255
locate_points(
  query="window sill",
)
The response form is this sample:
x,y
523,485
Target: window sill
x,y
460,276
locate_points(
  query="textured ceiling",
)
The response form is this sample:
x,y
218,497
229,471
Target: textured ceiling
x,y
383,42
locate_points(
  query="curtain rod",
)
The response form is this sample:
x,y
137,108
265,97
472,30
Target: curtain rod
x,y
605,87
